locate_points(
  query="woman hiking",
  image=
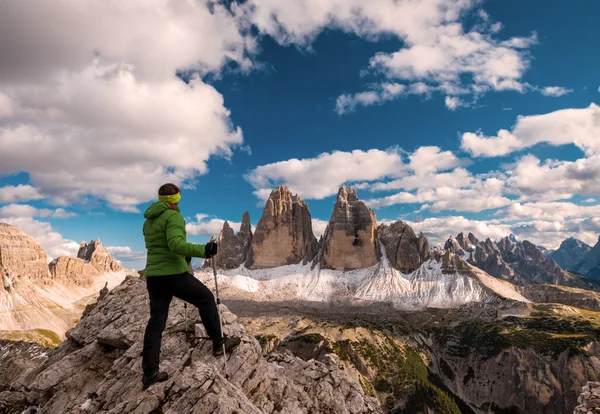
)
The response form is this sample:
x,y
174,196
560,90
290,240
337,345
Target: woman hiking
x,y
169,255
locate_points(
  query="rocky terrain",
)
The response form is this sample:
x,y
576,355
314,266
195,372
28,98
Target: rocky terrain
x,y
570,253
580,298
521,263
589,400
98,370
350,241
284,234
40,301
404,250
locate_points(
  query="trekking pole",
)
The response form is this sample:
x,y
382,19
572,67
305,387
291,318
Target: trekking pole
x,y
214,266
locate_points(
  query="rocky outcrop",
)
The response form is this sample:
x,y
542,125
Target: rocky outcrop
x,y
590,263
96,254
589,400
579,298
570,253
73,272
350,241
284,233
21,258
98,370
403,249
233,248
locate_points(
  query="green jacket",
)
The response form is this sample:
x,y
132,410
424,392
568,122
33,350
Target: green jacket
x,y
164,234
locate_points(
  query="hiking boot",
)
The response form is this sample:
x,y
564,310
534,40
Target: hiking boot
x,y
230,345
158,377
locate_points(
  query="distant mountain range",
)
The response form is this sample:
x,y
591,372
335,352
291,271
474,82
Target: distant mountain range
x,y
578,257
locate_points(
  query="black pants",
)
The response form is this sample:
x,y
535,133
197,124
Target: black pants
x,y
161,290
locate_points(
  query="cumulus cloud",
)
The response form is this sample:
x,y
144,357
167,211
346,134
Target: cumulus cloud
x,y
384,92
579,126
19,193
103,107
553,211
204,225
318,227
320,177
554,180
25,210
555,91
452,103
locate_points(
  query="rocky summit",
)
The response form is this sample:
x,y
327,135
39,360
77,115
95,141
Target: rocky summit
x,y
98,370
570,253
21,258
233,248
284,233
96,254
350,240
590,263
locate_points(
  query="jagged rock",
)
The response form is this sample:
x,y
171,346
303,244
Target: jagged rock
x,y
349,241
21,257
579,298
73,271
99,368
570,253
284,233
530,264
404,250
97,255
453,245
590,263
233,248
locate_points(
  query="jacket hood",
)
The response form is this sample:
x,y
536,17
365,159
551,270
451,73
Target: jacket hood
x,y
157,208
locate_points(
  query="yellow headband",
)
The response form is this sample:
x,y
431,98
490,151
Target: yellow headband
x,y
173,199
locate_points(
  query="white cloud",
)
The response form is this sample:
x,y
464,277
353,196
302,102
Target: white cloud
x,y
318,227
554,180
125,253
19,193
452,103
207,226
52,242
589,200
320,177
385,92
438,229
437,49
555,91
25,210
565,126
550,211
103,107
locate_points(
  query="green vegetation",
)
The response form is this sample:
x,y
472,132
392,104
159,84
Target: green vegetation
x,y
545,334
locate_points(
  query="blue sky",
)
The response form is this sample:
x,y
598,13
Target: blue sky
x,y
403,100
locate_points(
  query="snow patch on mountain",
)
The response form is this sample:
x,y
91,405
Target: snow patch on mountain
x,y
430,286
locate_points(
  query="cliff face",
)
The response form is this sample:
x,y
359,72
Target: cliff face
x,y
284,234
96,254
98,370
404,250
350,240
21,258
233,248
579,298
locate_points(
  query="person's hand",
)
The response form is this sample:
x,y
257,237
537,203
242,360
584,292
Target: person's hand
x,y
210,249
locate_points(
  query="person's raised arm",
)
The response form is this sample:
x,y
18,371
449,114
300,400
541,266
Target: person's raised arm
x,y
176,241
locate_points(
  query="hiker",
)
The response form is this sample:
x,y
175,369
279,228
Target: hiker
x,y
169,255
